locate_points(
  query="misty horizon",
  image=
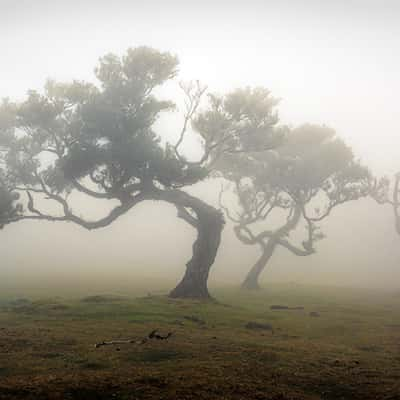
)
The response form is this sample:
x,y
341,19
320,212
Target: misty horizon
x,y
325,62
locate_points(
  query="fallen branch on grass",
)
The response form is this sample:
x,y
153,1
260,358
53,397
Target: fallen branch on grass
x,y
155,335
150,336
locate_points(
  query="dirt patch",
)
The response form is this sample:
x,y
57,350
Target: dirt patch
x,y
153,356
196,320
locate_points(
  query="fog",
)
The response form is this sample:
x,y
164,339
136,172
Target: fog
x,y
333,63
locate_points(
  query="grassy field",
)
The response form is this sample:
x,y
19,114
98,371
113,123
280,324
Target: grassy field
x,y
344,344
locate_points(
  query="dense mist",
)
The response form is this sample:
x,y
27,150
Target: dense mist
x,y
333,63
360,250
199,199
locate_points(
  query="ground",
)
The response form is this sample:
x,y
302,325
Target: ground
x,y
347,348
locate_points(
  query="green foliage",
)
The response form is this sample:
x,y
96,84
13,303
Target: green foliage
x,y
139,71
311,160
100,138
7,122
105,134
240,122
9,209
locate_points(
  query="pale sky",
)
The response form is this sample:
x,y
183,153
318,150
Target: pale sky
x,y
333,62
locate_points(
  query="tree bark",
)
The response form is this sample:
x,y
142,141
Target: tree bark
x,y
209,222
251,280
194,282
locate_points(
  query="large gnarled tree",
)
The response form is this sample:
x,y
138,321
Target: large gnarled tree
x,y
298,184
99,139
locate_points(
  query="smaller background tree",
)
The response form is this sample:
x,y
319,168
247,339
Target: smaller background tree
x,y
300,183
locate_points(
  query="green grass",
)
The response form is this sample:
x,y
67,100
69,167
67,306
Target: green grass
x,y
350,351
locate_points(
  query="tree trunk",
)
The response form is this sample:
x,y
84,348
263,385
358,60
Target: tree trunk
x,y
251,281
209,223
194,282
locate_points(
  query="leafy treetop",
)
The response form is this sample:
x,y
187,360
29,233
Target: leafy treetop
x,y
99,139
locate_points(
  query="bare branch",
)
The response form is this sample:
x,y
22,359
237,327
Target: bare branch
x,y
295,250
184,214
325,214
152,335
194,91
90,192
31,206
224,208
244,234
89,225
53,196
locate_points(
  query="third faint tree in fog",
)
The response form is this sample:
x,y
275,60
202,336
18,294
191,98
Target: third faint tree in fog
x,y
388,192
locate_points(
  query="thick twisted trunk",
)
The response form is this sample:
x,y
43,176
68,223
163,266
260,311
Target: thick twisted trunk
x,y
251,281
209,223
194,282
